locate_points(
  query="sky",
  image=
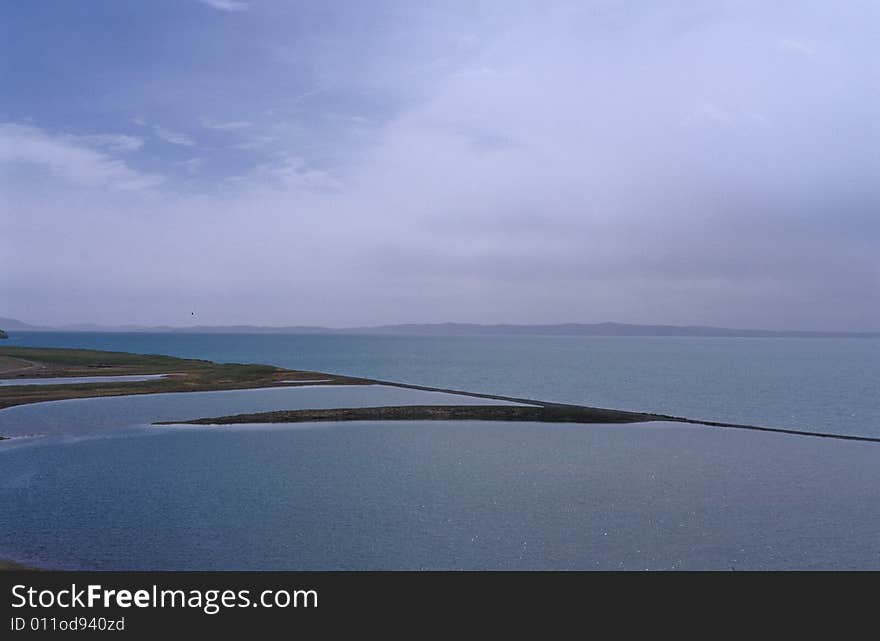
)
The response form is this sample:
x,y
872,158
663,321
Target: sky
x,y
366,162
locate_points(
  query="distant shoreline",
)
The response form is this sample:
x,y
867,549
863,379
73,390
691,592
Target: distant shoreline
x,y
607,329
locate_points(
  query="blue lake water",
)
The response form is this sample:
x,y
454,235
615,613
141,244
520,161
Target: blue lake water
x,y
102,489
454,495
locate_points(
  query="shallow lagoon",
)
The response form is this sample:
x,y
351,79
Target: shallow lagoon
x,y
70,380
405,495
136,412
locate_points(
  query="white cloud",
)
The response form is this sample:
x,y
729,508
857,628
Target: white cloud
x,y
708,113
113,142
290,173
174,137
349,118
225,5
70,157
791,45
255,142
546,168
192,166
233,125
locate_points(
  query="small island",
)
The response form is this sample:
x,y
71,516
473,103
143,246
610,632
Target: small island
x,y
3,334
539,414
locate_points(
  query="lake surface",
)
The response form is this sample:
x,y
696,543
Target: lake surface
x,y
102,489
450,495
115,414
827,385
69,380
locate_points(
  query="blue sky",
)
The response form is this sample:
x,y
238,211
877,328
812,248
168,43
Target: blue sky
x,y
347,163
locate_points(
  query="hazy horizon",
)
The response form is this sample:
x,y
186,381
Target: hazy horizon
x,y
343,164
437,325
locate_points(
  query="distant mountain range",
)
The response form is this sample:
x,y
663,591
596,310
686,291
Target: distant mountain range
x,y
451,329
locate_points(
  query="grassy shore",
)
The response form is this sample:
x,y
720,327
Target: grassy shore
x,y
183,374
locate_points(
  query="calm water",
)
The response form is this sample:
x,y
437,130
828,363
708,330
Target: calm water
x,y
101,489
443,495
87,416
828,385
68,380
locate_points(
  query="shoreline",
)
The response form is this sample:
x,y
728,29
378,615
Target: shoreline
x,y
196,375
11,566
189,375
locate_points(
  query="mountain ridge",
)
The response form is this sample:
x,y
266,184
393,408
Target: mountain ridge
x,y
452,329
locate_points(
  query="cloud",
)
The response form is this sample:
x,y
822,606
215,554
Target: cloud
x,y
347,118
113,142
168,135
225,5
233,125
799,47
291,174
73,158
174,137
629,163
252,143
708,113
192,166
